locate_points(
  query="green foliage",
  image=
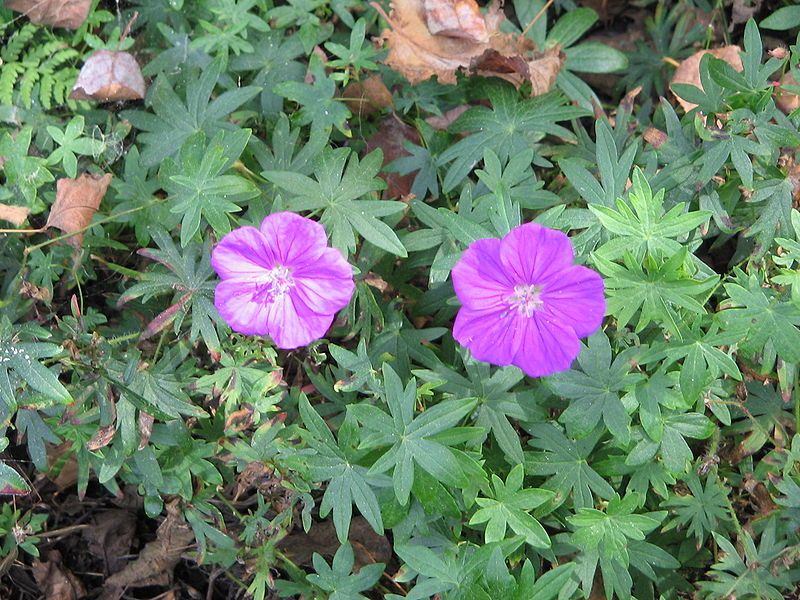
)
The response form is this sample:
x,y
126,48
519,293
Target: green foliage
x,y
664,462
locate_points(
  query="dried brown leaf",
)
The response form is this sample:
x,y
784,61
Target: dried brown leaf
x,y
689,69
455,18
389,138
76,202
34,292
368,546
444,121
57,13
157,559
14,214
145,428
110,537
367,97
441,37
108,75
56,581
784,99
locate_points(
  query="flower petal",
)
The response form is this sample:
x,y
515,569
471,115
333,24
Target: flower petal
x,y
576,299
326,285
547,347
479,277
292,324
533,254
243,253
293,239
234,302
491,336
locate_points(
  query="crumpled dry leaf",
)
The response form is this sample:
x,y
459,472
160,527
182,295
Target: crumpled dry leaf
x,y
56,581
689,69
76,202
157,559
58,13
108,76
442,122
110,537
441,37
455,18
14,214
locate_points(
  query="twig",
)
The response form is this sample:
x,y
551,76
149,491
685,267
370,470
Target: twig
x,y
536,18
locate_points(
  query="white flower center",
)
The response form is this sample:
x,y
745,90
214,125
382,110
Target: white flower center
x,y
526,299
278,282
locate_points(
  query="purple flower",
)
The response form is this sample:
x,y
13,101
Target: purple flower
x,y
281,280
524,302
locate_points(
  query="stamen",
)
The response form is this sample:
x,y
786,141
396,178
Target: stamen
x,y
277,283
526,299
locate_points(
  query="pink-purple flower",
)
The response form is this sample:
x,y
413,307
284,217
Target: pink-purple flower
x,y
525,302
281,280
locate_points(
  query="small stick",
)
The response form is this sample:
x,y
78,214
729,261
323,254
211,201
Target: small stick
x,y
536,18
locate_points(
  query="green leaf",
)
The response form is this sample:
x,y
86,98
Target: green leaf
x,y
341,181
199,187
11,482
786,17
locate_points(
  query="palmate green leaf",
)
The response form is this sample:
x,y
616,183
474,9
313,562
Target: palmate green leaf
x,y
411,439
340,181
658,290
747,573
509,506
760,317
337,578
274,61
643,227
319,106
26,173
774,217
670,443
594,390
336,462
71,142
604,538
189,278
565,461
704,510
198,184
511,126
20,364
163,133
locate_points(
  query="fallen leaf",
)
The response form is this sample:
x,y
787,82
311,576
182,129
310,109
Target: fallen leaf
x,y
389,138
63,470
368,546
110,537
55,581
239,420
76,202
541,72
376,281
655,137
441,37
107,76
145,428
442,122
689,69
58,13
14,214
786,100
157,559
34,292
455,18
367,97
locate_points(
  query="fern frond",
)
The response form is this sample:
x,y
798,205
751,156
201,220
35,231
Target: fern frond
x,y
17,43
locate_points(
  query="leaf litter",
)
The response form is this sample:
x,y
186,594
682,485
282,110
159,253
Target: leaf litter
x,y
428,38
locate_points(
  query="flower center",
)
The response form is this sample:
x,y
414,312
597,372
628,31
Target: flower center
x,y
526,299
278,283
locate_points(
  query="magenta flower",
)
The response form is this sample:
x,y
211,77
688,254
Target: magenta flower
x,y
281,280
524,301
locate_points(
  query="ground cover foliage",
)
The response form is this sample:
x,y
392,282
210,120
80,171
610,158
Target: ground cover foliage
x,y
148,451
